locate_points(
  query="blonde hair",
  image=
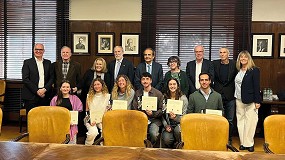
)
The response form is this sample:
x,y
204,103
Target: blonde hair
x,y
250,63
92,92
116,89
104,69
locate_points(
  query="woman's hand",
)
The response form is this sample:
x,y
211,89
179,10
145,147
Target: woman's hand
x,y
93,123
257,105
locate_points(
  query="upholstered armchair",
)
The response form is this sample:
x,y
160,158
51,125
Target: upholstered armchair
x,y
2,92
124,128
204,132
48,124
274,134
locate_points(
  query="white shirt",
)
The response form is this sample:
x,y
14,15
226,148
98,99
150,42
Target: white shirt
x,y
238,82
150,67
41,71
198,71
206,96
117,69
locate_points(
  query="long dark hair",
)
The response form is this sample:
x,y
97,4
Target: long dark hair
x,y
59,93
178,93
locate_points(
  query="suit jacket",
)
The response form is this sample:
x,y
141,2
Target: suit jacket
x,y
156,73
73,74
207,67
250,86
30,77
226,89
126,68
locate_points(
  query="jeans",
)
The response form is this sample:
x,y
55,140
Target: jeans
x,y
230,107
169,138
153,130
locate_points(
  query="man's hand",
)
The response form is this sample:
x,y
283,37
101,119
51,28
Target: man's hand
x,y
168,128
148,112
74,89
41,92
172,115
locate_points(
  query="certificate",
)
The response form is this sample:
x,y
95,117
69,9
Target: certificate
x,y
214,111
73,117
120,105
96,116
149,103
174,106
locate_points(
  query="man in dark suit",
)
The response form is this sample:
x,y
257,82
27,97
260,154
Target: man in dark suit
x,y
120,66
195,67
67,69
37,76
224,83
154,68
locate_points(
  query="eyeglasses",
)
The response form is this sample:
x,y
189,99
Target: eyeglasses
x,y
173,61
37,49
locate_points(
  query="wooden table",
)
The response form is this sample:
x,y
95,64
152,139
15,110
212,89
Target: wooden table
x,y
27,151
275,106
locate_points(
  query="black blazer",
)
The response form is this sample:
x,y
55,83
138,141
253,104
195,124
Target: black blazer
x,y
156,73
30,77
207,67
126,68
226,89
73,74
250,86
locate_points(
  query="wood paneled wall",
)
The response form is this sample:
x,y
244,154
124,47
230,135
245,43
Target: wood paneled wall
x,y
272,70
101,26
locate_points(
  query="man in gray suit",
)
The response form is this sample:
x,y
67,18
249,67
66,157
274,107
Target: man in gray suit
x,y
154,68
195,67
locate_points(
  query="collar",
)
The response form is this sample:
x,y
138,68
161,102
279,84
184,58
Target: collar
x,y
202,92
199,62
37,60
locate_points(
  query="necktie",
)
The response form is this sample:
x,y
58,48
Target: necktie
x,y
148,68
65,69
118,64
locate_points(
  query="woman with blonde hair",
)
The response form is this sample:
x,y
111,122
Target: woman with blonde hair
x,y
247,94
123,90
96,103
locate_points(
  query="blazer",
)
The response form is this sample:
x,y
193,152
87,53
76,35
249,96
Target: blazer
x,y
250,86
226,89
207,67
30,77
73,74
126,68
156,73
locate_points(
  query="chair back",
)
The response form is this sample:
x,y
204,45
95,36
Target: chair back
x,y
48,124
274,133
124,128
204,132
2,92
1,117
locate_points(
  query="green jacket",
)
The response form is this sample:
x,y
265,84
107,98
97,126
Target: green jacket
x,y
197,102
184,83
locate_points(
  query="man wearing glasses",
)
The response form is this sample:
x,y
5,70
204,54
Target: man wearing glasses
x,y
195,67
37,76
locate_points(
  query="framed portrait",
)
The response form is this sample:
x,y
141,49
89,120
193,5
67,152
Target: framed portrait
x,y
130,43
262,45
80,43
282,45
105,42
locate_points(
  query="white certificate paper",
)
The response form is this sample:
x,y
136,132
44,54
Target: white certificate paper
x,y
213,111
120,105
174,106
96,116
149,103
73,117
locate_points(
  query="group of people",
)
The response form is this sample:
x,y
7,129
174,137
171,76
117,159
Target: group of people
x,y
221,84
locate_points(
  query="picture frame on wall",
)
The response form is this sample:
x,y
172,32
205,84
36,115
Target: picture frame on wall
x,y
131,43
80,43
105,42
262,45
282,45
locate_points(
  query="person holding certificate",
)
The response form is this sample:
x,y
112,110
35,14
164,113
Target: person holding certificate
x,y
153,113
123,90
205,97
96,103
171,121
71,102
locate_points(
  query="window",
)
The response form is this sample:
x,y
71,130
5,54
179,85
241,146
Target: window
x,y
175,27
23,23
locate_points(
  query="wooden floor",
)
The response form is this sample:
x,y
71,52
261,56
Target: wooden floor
x,y
10,131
